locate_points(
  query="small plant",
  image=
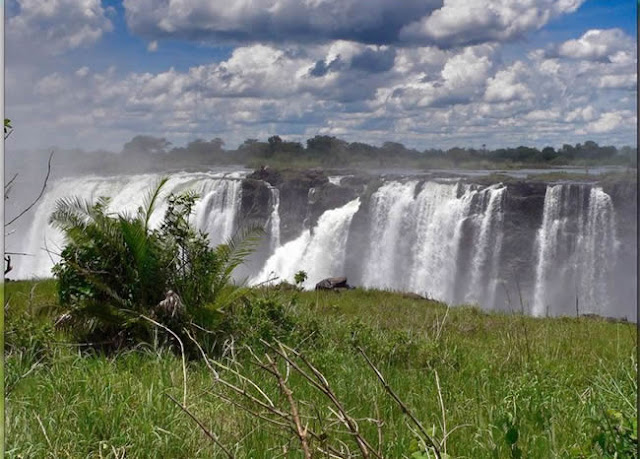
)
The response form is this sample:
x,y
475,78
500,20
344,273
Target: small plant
x,y
616,434
299,278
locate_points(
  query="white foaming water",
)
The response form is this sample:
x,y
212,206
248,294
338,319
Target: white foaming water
x,y
337,179
320,253
274,219
390,211
440,215
576,246
215,213
485,261
442,239
416,242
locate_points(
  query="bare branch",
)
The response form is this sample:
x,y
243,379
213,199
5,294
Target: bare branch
x,y
8,266
7,186
44,186
184,363
204,429
401,404
323,386
301,432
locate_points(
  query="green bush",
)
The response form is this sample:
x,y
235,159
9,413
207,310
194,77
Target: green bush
x,y
115,269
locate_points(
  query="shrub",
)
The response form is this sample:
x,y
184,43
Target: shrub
x,y
115,269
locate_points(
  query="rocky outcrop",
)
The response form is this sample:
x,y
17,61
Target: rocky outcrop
x,y
332,283
523,209
267,174
256,199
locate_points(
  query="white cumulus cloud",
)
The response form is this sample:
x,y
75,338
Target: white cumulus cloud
x,y
598,44
56,26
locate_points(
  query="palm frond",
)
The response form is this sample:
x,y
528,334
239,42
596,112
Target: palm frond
x,y
70,212
150,200
236,249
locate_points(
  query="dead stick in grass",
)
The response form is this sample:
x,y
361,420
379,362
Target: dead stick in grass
x,y
401,404
269,406
202,426
301,432
184,362
444,417
289,423
323,386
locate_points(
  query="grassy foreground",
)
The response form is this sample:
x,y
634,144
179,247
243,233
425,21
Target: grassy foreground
x,y
496,385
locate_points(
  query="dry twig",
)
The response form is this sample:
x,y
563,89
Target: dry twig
x,y
202,426
402,406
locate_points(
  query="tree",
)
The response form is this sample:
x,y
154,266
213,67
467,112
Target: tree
x,y
254,148
457,155
275,142
549,153
217,144
325,144
146,144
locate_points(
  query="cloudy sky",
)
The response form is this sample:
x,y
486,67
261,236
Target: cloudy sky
x,y
427,73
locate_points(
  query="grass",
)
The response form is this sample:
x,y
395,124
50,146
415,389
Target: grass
x,y
510,385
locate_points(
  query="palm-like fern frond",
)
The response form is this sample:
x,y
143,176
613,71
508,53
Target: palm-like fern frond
x,y
238,247
150,201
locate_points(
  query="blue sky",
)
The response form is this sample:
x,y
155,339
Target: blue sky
x,y
426,73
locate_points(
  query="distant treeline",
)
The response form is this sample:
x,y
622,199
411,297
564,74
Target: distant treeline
x,y
152,154
330,151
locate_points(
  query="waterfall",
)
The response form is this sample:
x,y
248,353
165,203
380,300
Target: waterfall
x,y
319,252
441,238
440,216
214,213
417,242
485,261
390,211
576,248
274,219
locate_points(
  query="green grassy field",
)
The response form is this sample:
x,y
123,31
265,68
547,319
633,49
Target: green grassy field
x,y
496,385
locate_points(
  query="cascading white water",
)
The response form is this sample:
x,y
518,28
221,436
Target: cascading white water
x,y
442,239
320,253
599,246
416,242
485,261
576,249
274,219
390,211
440,215
215,213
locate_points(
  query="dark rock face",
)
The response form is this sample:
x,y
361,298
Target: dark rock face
x,y
523,209
256,201
266,174
295,187
255,209
329,196
625,201
332,283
